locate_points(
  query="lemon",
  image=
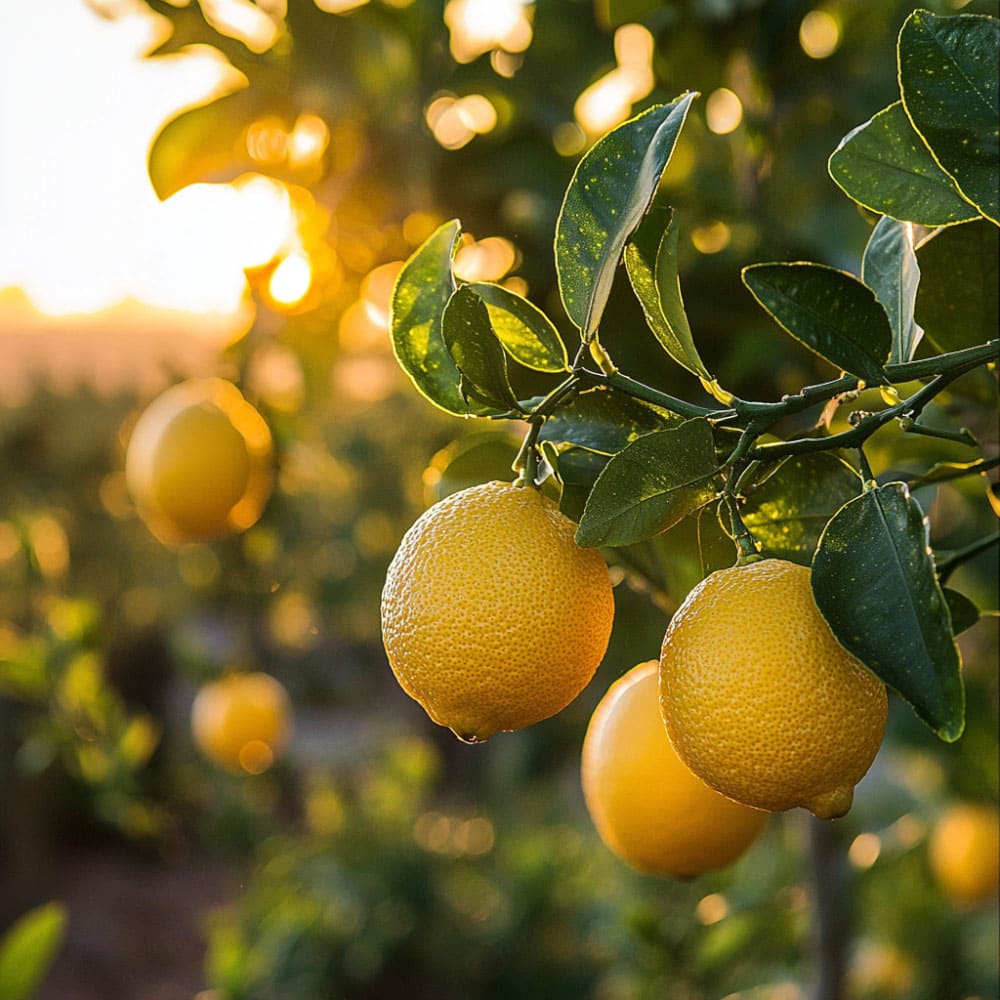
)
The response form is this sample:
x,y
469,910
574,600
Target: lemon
x,y
759,698
198,463
493,618
242,722
965,853
647,805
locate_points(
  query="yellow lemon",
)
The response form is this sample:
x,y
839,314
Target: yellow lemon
x,y
965,853
493,618
647,805
759,698
242,722
199,462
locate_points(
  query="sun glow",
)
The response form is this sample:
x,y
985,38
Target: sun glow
x,y
83,228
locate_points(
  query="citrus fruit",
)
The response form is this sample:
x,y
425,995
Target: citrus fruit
x,y
759,698
242,722
493,618
965,853
198,463
646,804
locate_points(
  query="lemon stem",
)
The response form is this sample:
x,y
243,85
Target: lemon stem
x,y
526,462
746,544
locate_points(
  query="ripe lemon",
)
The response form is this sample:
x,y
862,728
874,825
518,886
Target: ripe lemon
x,y
965,853
759,698
647,805
493,618
198,463
242,722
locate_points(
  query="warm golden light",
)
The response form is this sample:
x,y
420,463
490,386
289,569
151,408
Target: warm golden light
x,y
608,101
456,121
257,25
339,6
480,26
291,280
486,260
819,34
308,141
711,909
723,111
713,238
864,850
263,217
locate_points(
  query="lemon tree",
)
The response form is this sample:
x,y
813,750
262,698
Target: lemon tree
x,y
793,479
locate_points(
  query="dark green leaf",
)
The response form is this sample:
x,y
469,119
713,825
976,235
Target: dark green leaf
x,y
942,472
473,346
473,459
650,485
604,420
526,333
28,948
957,301
789,511
651,262
607,197
875,583
886,167
577,469
889,268
423,288
948,70
964,614
829,311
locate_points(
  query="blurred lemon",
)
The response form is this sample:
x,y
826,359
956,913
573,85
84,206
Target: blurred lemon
x,y
965,853
242,722
199,462
759,698
647,805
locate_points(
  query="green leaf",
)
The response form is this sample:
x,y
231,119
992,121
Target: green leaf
x,y
875,583
28,949
604,420
942,472
577,469
474,458
789,511
609,193
527,334
651,262
830,311
957,301
964,614
650,485
473,346
423,288
890,269
886,167
948,69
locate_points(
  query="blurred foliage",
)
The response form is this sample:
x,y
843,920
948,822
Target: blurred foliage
x,y
382,864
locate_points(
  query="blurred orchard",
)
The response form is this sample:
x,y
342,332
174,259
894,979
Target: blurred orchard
x,y
221,188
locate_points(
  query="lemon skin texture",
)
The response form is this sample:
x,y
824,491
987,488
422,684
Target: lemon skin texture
x,y
647,805
964,853
199,462
493,618
760,700
242,722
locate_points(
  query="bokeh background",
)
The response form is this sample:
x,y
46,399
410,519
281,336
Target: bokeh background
x,y
226,187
